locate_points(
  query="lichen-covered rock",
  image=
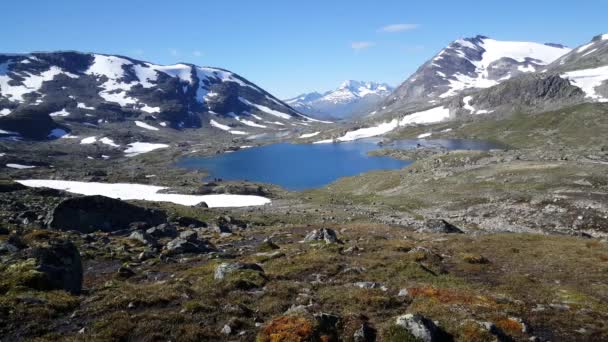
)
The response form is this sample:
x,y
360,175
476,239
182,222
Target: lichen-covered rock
x,y
323,234
98,213
188,242
442,226
42,265
225,269
419,327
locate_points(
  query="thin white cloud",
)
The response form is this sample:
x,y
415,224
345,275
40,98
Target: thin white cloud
x,y
398,28
197,53
174,52
358,46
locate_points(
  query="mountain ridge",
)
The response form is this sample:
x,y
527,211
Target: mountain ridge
x,y
470,63
350,99
97,88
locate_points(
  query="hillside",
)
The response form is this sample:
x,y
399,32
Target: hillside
x,y
48,95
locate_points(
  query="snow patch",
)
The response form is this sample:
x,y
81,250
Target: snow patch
x,y
432,115
588,80
61,113
125,191
219,125
145,126
108,141
19,166
30,83
88,141
138,148
424,135
266,109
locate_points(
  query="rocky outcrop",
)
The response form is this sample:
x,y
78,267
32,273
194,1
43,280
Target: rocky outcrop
x,y
442,226
40,262
188,242
420,328
98,213
530,93
32,122
323,234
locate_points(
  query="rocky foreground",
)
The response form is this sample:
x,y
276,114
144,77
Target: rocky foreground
x,y
76,268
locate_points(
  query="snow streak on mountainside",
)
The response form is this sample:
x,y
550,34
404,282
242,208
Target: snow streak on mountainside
x,y
472,63
96,89
428,116
587,68
351,99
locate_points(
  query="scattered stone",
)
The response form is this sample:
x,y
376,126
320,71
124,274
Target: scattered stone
x,y
370,285
142,237
226,330
442,226
365,333
188,242
267,245
323,234
98,213
60,262
266,256
420,327
190,222
202,205
162,231
403,293
125,272
225,269
475,258
145,255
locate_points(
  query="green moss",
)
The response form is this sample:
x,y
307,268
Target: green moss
x,y
21,275
395,333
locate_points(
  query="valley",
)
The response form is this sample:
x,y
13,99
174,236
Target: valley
x,y
148,202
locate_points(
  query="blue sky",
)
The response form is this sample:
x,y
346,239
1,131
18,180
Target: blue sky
x,y
291,47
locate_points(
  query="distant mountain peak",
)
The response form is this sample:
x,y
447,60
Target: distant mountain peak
x,y
352,98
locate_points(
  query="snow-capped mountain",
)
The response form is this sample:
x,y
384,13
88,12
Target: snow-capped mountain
x,y
587,68
60,89
469,64
350,99
577,77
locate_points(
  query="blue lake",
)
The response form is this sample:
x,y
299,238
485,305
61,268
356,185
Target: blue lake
x,y
306,166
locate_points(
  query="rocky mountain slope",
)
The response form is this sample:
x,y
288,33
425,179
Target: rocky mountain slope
x,y
580,76
45,95
577,77
351,99
469,64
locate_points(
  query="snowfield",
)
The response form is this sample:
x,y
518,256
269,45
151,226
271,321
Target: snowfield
x,y
588,80
31,83
432,115
125,191
138,148
493,51
20,166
